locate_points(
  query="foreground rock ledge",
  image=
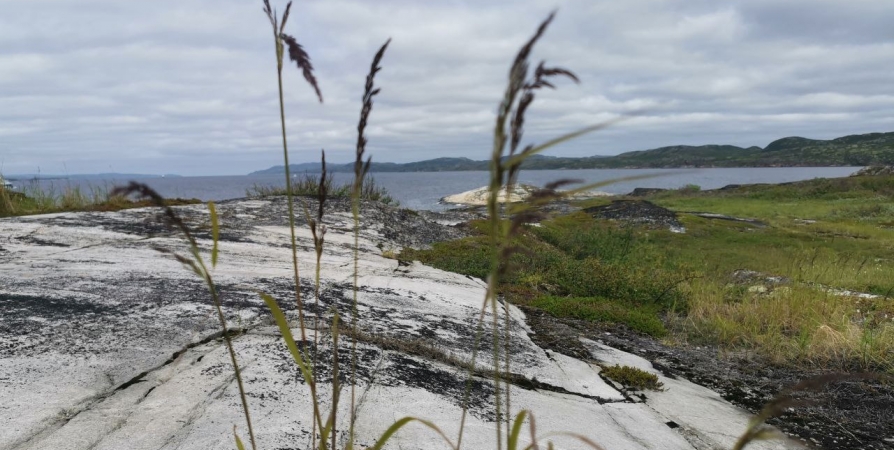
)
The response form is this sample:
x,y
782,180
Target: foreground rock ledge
x,y
107,344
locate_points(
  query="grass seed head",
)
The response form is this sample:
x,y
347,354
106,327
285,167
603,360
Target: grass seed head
x,y
302,60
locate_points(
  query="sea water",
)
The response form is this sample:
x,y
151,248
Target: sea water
x,y
423,190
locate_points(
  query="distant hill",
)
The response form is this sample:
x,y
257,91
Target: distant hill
x,y
854,150
429,165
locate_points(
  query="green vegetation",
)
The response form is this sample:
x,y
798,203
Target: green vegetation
x,y
308,185
632,378
855,150
776,286
574,266
34,200
598,309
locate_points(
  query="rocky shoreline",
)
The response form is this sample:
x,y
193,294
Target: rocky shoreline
x,y
107,344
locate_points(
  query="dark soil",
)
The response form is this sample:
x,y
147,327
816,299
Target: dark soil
x,y
854,411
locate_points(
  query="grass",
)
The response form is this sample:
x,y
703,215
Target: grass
x,y
632,378
847,241
859,199
308,185
792,325
36,200
682,286
573,266
598,309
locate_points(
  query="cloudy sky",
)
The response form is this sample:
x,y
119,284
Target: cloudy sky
x,y
189,86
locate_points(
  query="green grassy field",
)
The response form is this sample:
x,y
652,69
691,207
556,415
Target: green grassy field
x,y
773,288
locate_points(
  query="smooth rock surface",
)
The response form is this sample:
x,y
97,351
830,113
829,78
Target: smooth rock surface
x,y
519,193
105,343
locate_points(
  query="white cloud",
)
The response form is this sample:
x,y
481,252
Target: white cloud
x,y
160,86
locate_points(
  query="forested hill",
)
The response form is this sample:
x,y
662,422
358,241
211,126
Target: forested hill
x,y
854,150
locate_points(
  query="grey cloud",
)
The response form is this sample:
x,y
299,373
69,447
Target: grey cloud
x,y
190,87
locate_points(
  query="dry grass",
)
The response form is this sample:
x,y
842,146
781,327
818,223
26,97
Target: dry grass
x,y
34,199
797,324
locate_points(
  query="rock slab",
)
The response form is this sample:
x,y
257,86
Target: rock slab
x,y
105,343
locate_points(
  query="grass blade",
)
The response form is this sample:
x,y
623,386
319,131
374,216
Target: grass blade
x,y
239,445
283,325
512,439
215,233
396,426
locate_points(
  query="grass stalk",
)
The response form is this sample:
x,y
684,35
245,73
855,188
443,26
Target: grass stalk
x,y
505,164
361,169
277,38
297,54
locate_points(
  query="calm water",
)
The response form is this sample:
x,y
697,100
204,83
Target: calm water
x,y
422,190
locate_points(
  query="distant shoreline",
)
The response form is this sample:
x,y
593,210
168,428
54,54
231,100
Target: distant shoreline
x,y
374,171
106,176
847,151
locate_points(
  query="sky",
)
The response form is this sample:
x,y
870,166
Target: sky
x,y
189,86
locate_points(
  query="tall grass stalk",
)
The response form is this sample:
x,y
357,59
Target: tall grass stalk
x,y
318,232
361,168
518,84
297,54
505,165
279,39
